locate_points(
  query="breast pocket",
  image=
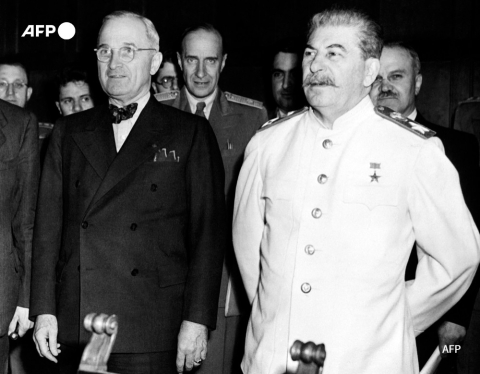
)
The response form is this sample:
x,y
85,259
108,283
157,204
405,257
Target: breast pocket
x,y
371,196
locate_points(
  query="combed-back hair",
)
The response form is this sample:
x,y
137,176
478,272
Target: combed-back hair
x,y
207,27
152,33
370,32
416,65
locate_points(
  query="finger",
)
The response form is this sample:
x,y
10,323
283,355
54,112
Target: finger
x,y
52,342
180,362
44,349
203,352
189,361
22,329
37,346
12,326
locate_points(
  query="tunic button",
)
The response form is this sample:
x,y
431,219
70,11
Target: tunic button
x,y
84,224
327,144
306,288
133,227
309,249
77,184
134,272
316,213
322,179
153,187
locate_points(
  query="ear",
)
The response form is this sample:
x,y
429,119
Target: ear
x,y
372,67
156,61
418,83
58,107
180,62
224,59
29,92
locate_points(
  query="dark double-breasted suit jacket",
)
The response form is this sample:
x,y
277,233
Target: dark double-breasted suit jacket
x,y
19,172
463,151
140,234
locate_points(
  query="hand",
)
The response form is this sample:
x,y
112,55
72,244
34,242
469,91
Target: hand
x,y
20,317
192,345
450,333
45,336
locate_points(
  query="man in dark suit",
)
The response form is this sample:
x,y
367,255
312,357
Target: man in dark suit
x,y
131,220
396,87
234,119
19,172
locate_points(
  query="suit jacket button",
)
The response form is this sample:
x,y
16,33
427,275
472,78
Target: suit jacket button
x,y
134,272
84,224
77,184
153,187
133,227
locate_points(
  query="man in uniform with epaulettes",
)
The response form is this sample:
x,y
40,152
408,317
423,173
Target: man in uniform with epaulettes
x,y
234,119
328,204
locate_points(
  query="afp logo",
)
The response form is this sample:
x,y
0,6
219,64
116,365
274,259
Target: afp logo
x,y
66,31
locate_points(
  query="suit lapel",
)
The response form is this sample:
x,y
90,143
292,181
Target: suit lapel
x,y
141,144
97,142
3,123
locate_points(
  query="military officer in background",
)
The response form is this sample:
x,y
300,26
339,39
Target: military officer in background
x,y
234,119
329,202
397,86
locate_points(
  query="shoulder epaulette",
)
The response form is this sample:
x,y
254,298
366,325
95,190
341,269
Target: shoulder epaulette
x,y
406,123
276,121
243,100
164,96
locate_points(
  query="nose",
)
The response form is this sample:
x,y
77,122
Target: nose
x,y
200,70
77,106
10,90
287,81
175,84
114,60
317,63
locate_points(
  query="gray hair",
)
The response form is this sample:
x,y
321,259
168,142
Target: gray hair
x,y
370,32
416,65
152,34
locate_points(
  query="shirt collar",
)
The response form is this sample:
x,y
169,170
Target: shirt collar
x,y
413,115
192,101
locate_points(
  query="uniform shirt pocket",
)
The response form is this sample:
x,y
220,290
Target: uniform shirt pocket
x,y
371,196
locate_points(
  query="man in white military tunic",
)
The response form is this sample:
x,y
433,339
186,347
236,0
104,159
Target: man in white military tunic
x,y
328,204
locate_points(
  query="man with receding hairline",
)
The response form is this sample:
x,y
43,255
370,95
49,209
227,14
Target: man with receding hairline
x,y
131,219
234,120
397,86
328,204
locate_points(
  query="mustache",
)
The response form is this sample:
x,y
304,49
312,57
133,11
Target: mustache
x,y
314,80
387,95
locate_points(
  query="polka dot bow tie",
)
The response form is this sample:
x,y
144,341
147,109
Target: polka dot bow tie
x,y
122,114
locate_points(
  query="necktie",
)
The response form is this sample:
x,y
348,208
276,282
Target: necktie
x,y
121,114
200,107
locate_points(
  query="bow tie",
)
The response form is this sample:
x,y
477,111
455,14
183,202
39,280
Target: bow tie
x,y
122,114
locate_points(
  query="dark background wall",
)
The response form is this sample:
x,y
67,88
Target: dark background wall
x,y
446,33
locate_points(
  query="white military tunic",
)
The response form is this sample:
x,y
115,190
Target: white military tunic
x,y
324,224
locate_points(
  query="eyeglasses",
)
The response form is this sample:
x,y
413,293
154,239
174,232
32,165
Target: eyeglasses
x,y
17,86
167,81
126,54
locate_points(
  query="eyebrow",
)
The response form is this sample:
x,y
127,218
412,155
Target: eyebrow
x,y
398,71
125,44
338,46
